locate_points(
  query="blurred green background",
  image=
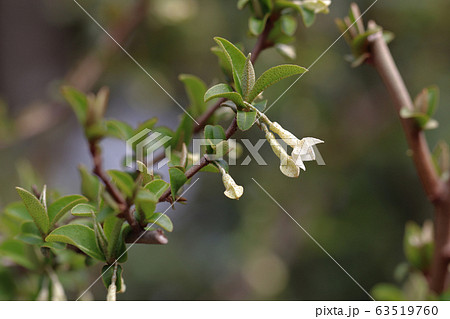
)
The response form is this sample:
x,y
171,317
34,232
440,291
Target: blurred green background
x,y
355,207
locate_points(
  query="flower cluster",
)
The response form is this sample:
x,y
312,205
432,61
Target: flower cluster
x,y
302,149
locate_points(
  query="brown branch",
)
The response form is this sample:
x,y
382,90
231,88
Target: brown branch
x,y
203,162
436,191
123,206
154,237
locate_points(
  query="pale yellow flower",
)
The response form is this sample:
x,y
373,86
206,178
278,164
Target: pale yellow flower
x,y
232,190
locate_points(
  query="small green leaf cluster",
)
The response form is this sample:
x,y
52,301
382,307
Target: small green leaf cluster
x,y
281,16
425,105
356,35
418,247
244,92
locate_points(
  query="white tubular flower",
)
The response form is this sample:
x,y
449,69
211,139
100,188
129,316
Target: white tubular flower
x,y
304,151
232,190
285,135
287,166
112,291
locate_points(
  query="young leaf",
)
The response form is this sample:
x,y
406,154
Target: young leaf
x,y
83,210
107,274
162,220
77,235
236,59
18,211
196,90
118,129
177,180
157,187
184,132
260,105
146,202
288,24
62,205
245,120
214,132
90,185
35,209
308,16
77,101
248,77
30,234
272,76
224,91
256,26
123,181
17,252
112,228
242,3
149,124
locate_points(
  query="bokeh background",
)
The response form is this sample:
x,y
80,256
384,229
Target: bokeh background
x,y
355,207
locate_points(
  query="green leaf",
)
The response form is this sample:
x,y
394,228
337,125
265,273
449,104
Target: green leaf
x,y
308,16
118,129
184,132
83,210
214,134
90,185
35,209
221,149
157,187
107,274
78,101
272,76
146,202
177,180
418,248
18,211
123,181
17,252
112,228
62,205
256,26
288,24
260,105
223,90
236,59
162,220
77,235
196,90
149,124
242,3
387,292
441,160
224,63
360,43
245,120
427,100
30,234
248,77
